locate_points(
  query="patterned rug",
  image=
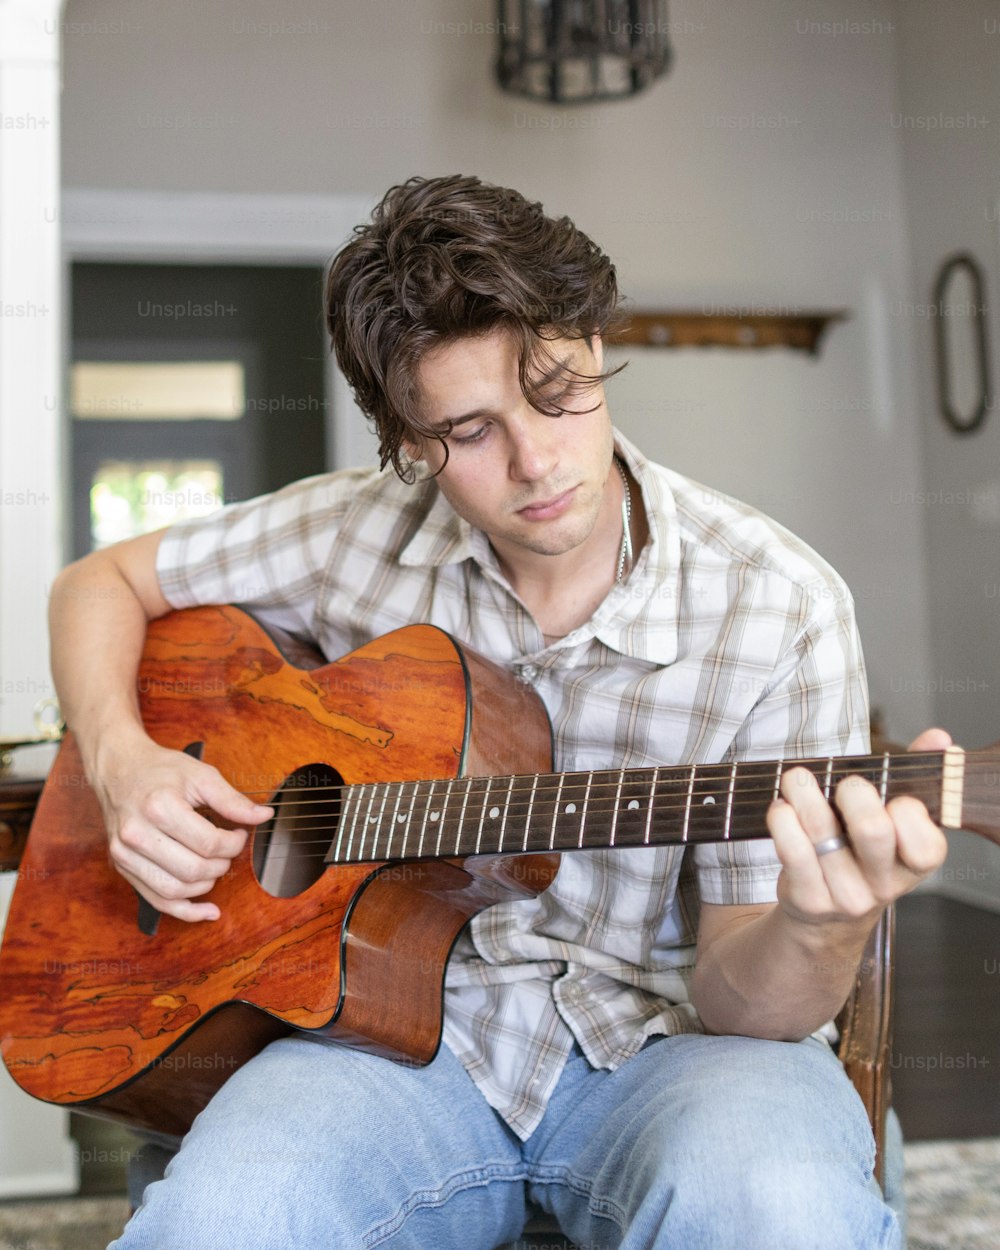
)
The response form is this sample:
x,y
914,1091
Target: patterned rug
x,y
952,1190
953,1194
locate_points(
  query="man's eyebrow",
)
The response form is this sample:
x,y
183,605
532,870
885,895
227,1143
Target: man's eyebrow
x,y
445,426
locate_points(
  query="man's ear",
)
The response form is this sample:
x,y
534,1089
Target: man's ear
x,y
412,451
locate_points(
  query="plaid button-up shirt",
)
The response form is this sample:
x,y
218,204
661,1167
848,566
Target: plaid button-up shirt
x,y
730,639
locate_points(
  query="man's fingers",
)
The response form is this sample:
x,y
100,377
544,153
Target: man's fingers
x,y
168,849
182,908
167,812
803,875
872,834
214,791
920,844
801,789
821,881
931,740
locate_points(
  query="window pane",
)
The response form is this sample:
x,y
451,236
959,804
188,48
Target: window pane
x,y
187,391
132,497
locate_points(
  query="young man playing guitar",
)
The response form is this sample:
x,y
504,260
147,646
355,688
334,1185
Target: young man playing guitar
x,y
639,1049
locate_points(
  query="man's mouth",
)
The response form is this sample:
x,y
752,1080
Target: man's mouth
x,y
545,509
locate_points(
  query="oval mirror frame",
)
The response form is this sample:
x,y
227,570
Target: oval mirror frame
x,y
961,265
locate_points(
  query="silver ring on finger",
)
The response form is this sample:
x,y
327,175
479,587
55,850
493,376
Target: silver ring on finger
x,y
837,843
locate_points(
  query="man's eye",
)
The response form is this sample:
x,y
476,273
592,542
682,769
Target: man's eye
x,y
474,437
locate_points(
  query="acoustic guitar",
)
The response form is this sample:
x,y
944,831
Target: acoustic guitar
x,y
411,786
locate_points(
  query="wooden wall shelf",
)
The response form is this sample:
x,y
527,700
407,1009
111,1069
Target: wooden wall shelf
x,y
801,331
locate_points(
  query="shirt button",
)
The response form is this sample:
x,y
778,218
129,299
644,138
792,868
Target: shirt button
x,y
528,672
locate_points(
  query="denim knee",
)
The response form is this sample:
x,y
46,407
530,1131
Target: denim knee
x,y
785,1159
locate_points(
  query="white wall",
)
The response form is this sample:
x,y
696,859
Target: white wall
x,y
948,128
763,171
36,1155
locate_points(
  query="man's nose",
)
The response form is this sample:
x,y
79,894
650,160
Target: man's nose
x,y
534,453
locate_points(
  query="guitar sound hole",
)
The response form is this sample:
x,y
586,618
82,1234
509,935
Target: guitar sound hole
x,y
288,851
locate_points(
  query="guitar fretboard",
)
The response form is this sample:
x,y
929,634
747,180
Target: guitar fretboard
x,y
620,808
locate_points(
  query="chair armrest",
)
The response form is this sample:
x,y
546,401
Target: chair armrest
x,y
865,1024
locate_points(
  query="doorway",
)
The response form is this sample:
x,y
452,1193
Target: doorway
x,y
190,386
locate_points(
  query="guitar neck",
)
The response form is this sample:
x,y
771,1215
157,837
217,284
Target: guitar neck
x,y
612,807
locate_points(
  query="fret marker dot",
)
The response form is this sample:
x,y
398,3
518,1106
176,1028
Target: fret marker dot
x,y
708,799
570,809
632,804
435,815
400,818
494,813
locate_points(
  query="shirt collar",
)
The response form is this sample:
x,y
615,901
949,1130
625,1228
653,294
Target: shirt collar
x,y
442,536
624,621
639,617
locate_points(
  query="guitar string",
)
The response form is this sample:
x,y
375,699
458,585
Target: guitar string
x,y
317,822
545,787
592,783
511,813
669,774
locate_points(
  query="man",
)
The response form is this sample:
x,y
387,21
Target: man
x,y
639,1050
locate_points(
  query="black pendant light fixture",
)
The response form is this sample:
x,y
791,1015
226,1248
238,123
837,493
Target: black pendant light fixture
x,y
581,51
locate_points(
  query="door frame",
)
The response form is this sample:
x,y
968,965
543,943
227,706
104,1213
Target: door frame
x,y
218,228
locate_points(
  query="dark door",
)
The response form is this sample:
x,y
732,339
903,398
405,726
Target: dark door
x,y
191,385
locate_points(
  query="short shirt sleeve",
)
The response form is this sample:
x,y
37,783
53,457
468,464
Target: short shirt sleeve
x,y
266,554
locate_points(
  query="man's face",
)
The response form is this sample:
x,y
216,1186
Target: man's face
x,y
533,483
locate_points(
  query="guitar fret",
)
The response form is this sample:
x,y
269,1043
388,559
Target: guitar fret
x,y
777,781
350,840
687,805
503,817
380,820
885,776
427,812
461,815
829,780
555,813
441,818
618,799
482,814
531,804
449,785
586,801
362,835
334,857
408,820
729,801
649,807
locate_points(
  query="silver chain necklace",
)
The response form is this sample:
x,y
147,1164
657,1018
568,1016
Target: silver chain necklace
x,y
625,557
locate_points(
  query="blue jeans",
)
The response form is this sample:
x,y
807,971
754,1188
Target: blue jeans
x,y
696,1143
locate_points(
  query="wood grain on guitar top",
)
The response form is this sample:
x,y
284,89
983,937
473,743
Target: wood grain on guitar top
x,y
96,1014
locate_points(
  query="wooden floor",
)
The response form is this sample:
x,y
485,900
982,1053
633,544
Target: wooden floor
x,y
946,1053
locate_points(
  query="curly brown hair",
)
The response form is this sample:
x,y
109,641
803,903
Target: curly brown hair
x,y
443,258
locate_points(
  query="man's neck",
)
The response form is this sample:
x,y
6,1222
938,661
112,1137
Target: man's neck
x,y
563,592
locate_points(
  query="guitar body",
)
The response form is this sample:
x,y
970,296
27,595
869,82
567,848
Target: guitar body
x,y
100,1016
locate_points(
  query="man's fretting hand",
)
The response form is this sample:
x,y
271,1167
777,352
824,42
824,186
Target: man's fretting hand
x,y
890,848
